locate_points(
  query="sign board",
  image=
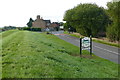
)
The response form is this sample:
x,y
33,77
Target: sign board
x,y
85,43
47,29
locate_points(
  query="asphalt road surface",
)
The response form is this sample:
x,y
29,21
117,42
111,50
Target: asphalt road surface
x,y
101,50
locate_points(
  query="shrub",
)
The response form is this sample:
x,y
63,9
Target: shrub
x,y
32,29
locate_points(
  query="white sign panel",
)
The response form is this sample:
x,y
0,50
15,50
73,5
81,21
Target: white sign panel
x,y
85,43
48,29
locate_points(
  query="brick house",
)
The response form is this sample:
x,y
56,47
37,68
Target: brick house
x,y
40,23
44,24
55,24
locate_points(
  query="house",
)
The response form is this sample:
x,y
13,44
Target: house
x,y
40,23
44,24
54,24
48,23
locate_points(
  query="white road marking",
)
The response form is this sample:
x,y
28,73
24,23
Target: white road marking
x,y
106,50
60,34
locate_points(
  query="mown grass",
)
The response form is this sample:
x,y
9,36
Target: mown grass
x,y
108,43
72,34
96,40
37,55
9,32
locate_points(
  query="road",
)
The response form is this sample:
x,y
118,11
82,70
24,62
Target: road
x,y
101,50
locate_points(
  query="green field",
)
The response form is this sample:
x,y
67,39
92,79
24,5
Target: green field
x,y
38,55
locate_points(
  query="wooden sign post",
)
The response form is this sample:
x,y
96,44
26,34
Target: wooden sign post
x,y
80,47
90,45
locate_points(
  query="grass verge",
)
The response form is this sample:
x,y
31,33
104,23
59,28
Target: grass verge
x,y
37,55
96,40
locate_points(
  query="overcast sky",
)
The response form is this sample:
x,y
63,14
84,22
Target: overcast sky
x,y
18,12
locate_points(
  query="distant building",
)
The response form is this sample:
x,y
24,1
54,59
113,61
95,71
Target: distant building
x,y
48,23
44,24
40,23
54,24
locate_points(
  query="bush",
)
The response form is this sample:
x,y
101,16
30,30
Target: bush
x,y
26,28
113,32
5,28
32,29
35,29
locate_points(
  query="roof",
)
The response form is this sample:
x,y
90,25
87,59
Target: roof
x,y
47,21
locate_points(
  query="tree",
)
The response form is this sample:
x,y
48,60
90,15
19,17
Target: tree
x,y
29,24
61,23
66,25
113,32
87,19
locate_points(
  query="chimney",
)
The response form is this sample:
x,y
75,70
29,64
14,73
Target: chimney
x,y
41,17
38,16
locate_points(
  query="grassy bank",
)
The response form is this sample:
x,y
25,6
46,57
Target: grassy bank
x,y
37,55
96,40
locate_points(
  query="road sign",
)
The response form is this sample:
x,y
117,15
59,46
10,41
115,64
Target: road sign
x,y
85,43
